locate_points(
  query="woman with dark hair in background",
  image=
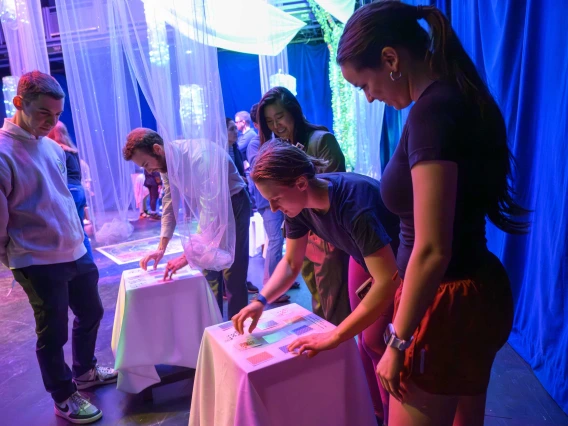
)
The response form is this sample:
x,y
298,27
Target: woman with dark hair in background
x,y
450,170
60,135
325,267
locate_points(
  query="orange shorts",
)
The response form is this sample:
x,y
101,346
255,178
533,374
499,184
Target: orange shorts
x,y
456,342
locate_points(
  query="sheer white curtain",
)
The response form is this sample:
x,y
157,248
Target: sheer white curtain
x,y
249,26
274,72
22,25
179,77
25,36
369,124
105,108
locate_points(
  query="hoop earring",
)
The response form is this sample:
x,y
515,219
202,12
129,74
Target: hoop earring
x,y
393,78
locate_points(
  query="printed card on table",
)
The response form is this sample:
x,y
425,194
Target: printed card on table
x,y
250,342
265,325
260,357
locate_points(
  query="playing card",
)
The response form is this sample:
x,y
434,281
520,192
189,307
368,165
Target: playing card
x,y
294,319
264,325
275,337
225,325
260,357
301,330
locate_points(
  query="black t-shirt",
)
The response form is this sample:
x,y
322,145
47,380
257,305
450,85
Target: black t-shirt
x,y
442,125
357,221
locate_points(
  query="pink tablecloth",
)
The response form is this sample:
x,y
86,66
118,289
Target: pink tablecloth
x,y
268,386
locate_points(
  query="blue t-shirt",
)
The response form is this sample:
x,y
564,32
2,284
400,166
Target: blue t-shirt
x,y
357,221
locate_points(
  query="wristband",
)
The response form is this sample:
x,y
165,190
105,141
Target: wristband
x,y
261,299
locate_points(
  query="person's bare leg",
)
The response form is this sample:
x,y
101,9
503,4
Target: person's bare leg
x,y
422,408
471,410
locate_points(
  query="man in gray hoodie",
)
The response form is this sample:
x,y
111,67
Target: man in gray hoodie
x,y
41,241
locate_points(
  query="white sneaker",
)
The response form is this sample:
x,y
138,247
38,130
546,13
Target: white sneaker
x,y
77,409
96,377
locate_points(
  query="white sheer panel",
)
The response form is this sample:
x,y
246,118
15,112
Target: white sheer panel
x,y
179,77
25,36
340,9
249,26
369,123
105,108
274,72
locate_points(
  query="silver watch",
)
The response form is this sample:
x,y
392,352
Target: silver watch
x,y
395,342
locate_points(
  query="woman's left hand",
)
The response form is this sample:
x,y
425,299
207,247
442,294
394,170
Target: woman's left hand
x,y
315,343
174,265
389,369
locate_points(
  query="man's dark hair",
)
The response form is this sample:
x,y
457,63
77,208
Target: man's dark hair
x,y
141,139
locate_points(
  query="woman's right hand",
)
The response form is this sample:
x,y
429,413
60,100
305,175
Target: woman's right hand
x,y
253,310
156,256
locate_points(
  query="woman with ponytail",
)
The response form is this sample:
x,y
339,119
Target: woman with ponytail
x,y
450,171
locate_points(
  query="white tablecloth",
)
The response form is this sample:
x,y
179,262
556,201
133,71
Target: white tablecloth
x,y
257,235
159,322
267,386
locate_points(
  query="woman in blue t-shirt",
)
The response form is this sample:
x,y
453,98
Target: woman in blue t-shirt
x,y
346,210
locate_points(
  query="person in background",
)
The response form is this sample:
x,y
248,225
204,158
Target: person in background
x,y
246,133
152,181
237,158
41,241
60,135
345,209
272,221
450,171
325,267
145,148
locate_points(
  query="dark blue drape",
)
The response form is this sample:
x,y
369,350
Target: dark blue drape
x,y
240,81
309,64
520,48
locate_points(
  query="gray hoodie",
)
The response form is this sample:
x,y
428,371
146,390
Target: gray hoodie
x,y
39,224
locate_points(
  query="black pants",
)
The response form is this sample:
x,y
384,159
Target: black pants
x,y
154,194
235,277
51,290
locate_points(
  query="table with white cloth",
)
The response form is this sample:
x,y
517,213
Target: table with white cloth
x,y
159,322
255,381
257,235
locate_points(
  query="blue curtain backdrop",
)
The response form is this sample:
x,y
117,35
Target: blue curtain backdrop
x,y
521,49
240,81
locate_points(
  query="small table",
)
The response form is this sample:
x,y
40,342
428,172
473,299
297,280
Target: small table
x,y
241,384
159,322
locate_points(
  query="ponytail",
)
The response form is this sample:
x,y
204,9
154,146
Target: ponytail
x,y
391,23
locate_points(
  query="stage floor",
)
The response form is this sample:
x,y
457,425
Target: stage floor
x,y
515,397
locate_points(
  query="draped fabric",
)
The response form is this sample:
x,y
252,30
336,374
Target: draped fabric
x,y
340,9
505,39
179,78
23,29
369,119
104,106
249,26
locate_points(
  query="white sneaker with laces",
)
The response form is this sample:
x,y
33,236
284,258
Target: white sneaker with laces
x,y
96,377
77,409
